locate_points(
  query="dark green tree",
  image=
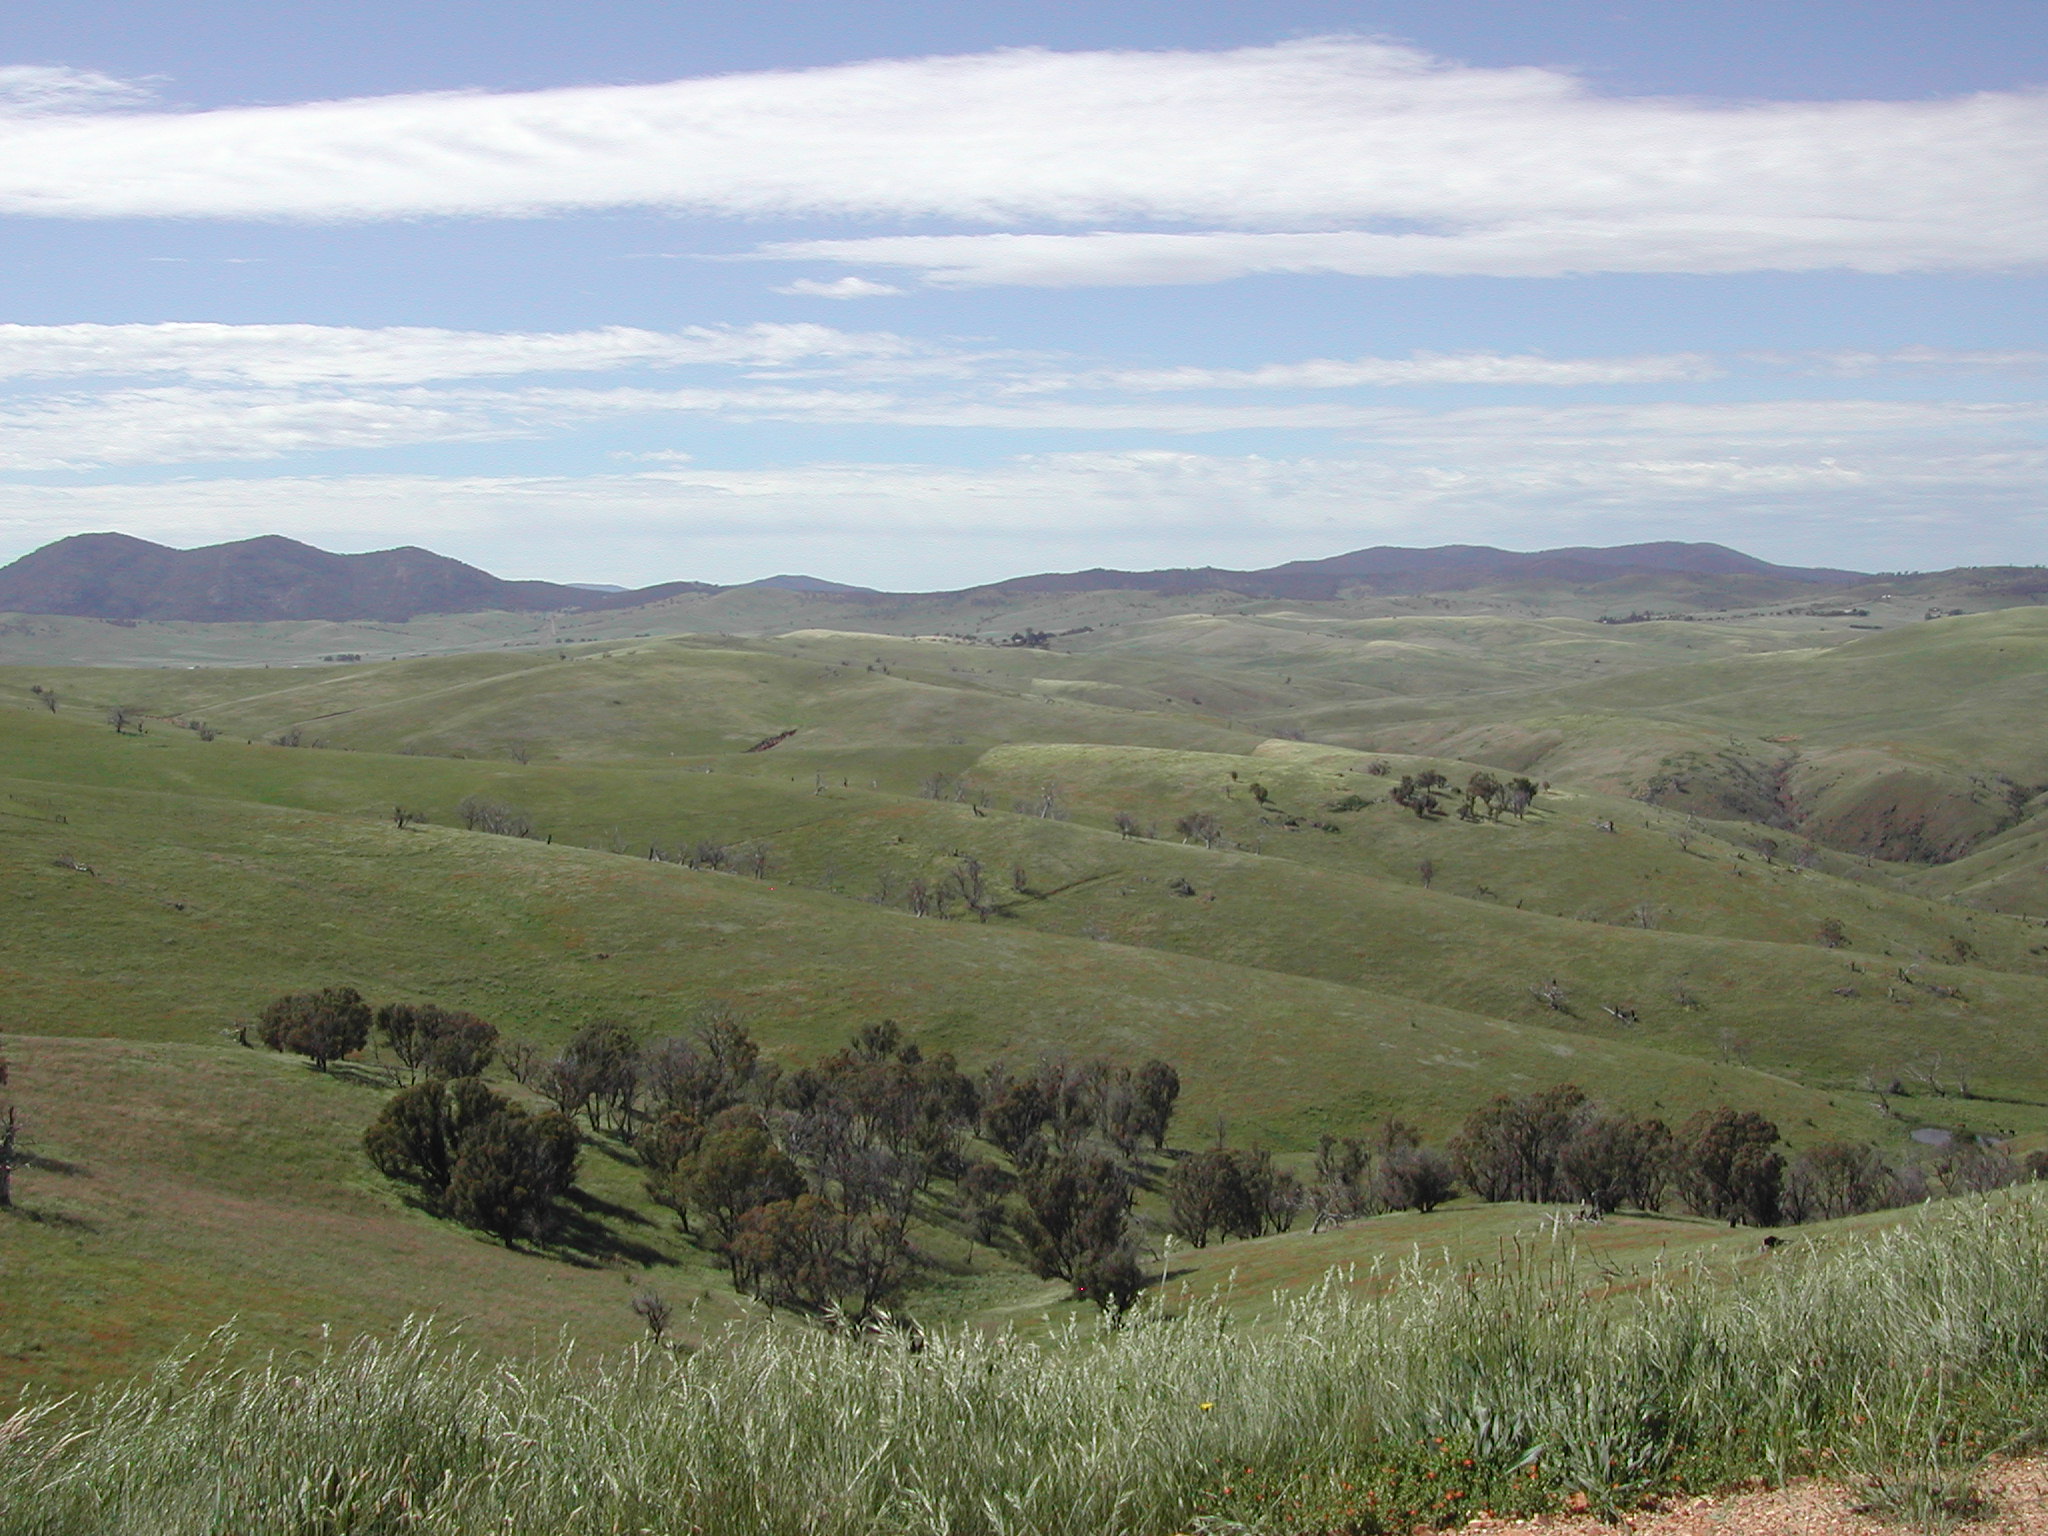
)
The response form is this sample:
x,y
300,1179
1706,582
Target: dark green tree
x,y
509,1171
1157,1091
1512,1149
735,1168
478,1157
1076,1207
1207,1195
323,1025
1727,1166
1616,1160
1112,1279
441,1042
1414,1179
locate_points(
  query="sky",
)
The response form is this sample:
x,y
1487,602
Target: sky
x,y
918,295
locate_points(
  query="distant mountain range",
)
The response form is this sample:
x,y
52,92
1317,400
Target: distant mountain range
x,y
114,576
1445,568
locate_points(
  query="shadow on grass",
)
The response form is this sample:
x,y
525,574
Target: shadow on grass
x,y
383,1079
584,1236
617,1152
56,1219
57,1165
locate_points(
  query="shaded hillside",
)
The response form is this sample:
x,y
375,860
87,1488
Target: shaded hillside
x,y
113,576
1450,568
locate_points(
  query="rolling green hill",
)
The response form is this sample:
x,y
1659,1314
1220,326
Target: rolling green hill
x,y
1772,862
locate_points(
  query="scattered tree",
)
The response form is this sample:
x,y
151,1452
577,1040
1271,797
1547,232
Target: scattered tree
x,y
1484,789
1968,1166
323,1025
1513,1149
983,1187
1519,796
478,1157
1616,1160
441,1042
1339,1189
653,1310
1415,1179
1727,1166
13,1141
479,814
1837,1178
736,1167
1076,1210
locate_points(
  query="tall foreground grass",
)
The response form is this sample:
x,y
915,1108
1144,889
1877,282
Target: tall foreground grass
x,y
1902,1351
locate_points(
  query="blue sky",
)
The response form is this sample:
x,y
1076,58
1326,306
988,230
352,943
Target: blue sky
x,y
921,295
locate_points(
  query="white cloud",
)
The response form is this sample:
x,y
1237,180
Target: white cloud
x,y
1880,239
1915,360
1423,368
1874,484
1327,155
331,394
30,89
324,354
181,424
839,288
185,423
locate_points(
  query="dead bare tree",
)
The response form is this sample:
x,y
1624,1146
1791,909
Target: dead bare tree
x,y
13,1143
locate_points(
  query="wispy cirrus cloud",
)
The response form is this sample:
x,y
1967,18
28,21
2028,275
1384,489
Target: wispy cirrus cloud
x,y
1869,487
329,354
1912,360
839,288
30,90
182,393
1328,155
1423,368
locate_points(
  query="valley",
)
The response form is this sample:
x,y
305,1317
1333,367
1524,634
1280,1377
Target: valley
x,y
1768,861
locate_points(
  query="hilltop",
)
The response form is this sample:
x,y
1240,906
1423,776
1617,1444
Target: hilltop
x,y
117,577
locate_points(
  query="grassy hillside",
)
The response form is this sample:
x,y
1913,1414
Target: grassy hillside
x,y
1454,1389
1712,952
179,1188
189,914
1331,960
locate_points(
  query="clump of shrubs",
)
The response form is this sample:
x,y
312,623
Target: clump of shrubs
x,y
476,1156
1559,1145
322,1026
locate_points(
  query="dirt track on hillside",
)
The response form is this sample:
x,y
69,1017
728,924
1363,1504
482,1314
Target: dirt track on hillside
x,y
2015,1494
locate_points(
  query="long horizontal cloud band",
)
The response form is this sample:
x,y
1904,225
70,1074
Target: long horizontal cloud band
x,y
1628,240
188,424
1330,155
1870,508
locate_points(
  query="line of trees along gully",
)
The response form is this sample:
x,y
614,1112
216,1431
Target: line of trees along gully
x,y
807,1182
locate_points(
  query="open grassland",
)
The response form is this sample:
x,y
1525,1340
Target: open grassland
x,y
1332,960
189,914
1514,905
1899,1359
651,698
1917,743
178,1188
